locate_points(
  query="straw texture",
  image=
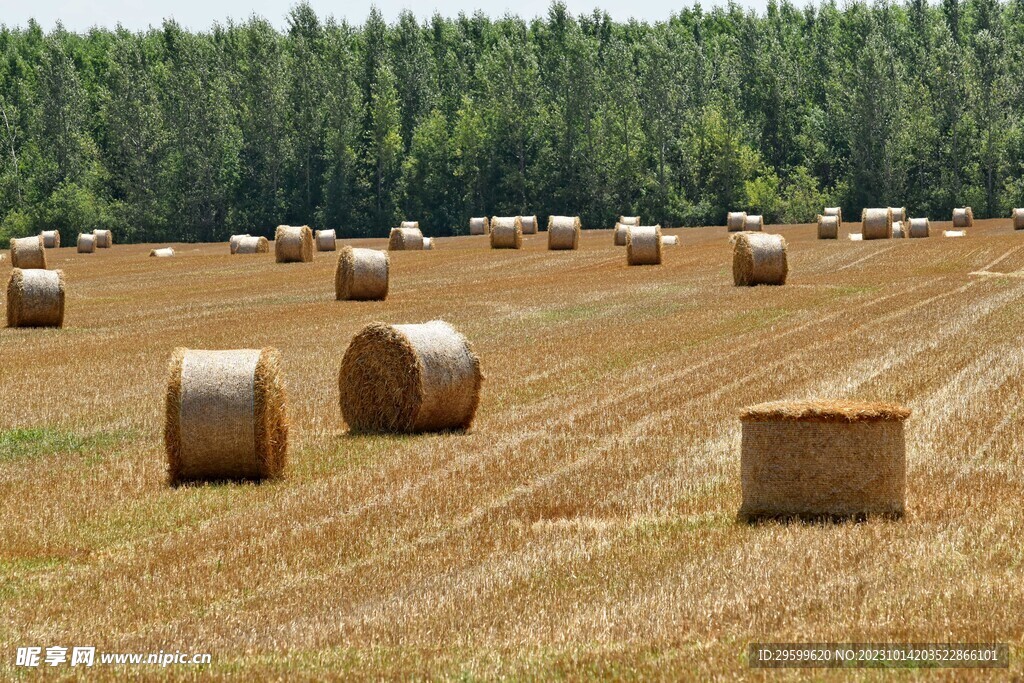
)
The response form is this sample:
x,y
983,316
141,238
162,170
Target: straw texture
x,y
629,220
828,227
876,224
836,211
428,243
253,245
104,239
506,232
409,378
28,252
1018,219
963,218
529,224
753,223
293,244
897,229
479,226
815,460
621,230
759,259
899,213
361,275
564,232
405,239
735,220
235,241
166,252
415,225
86,243
326,240
643,245
226,416
919,227
35,298
51,239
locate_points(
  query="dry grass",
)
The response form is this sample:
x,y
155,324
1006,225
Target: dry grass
x,y
585,527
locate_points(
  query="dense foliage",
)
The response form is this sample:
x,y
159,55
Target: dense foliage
x,y
173,135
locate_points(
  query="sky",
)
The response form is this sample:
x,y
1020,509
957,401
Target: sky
x,y
80,15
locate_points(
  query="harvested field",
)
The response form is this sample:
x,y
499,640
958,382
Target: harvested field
x,y
584,528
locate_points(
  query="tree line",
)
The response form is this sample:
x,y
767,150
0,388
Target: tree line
x,y
169,134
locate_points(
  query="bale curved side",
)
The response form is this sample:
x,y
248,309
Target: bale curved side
x,y
735,220
919,227
643,245
51,239
899,213
28,253
104,239
405,239
759,259
836,211
326,240
828,227
293,244
235,241
479,226
1018,219
876,224
898,231
629,220
165,252
35,298
753,223
564,232
361,275
86,243
253,245
529,224
412,225
963,217
620,233
506,232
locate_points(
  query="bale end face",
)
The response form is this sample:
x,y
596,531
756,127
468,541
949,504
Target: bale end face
x,y
361,275
28,253
35,298
643,245
759,259
293,244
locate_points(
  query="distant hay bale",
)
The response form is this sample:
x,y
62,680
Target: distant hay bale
x,y
86,243
428,243
104,239
621,230
405,239
643,245
326,240
836,211
670,240
735,220
165,252
954,233
412,225
529,224
899,213
876,224
28,253
409,378
235,241
629,220
753,223
822,460
759,259
1018,219
856,237
919,227
293,244
51,239
828,227
362,274
479,226
963,218
506,232
564,232
35,298
226,416
250,244
897,229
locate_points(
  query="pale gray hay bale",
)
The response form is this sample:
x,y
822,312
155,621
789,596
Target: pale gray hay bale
x,y
643,245
104,239
753,223
51,239
876,224
735,220
86,243
529,224
919,227
564,232
479,226
326,240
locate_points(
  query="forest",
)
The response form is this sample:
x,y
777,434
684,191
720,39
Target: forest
x,y
176,135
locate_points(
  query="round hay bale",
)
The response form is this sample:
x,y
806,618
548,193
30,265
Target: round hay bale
x,y
479,226
876,224
104,239
529,224
963,218
629,220
643,245
86,243
362,274
898,230
165,252
235,241
51,239
621,230
506,232
919,227
759,259
405,239
753,223
35,298
409,378
413,225
670,240
326,240
293,244
735,220
428,243
28,253
226,416
822,459
564,232
899,213
1018,219
828,227
836,211
250,244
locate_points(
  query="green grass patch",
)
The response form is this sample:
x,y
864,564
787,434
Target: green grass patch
x,y
19,444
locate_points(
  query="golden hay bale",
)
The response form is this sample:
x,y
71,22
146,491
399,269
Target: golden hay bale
x,y
86,243
250,244
529,224
1018,219
828,227
414,225
104,239
753,223
564,232
897,229
479,226
919,227
876,224
759,258
28,252
293,244
166,252
405,239
899,213
954,233
643,245
629,220
362,274
226,416
836,211
670,240
735,220
326,240
506,232
235,241
35,298
409,378
51,239
822,459
963,218
621,230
